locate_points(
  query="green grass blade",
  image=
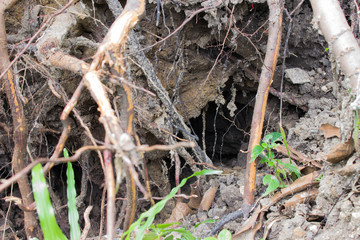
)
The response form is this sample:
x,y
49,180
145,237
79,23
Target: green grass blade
x,y
71,195
285,143
49,226
145,220
73,214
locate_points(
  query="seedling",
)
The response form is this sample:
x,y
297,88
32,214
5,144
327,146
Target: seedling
x,y
145,221
279,168
48,223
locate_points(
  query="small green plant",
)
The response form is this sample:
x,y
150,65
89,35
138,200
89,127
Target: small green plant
x,y
45,210
165,231
73,214
279,168
318,179
223,235
52,231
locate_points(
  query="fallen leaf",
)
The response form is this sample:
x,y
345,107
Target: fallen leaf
x,y
341,151
194,203
316,215
350,169
290,204
180,211
208,198
294,154
300,184
307,170
330,130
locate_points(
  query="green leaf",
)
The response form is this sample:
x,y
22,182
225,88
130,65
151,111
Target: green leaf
x,y
285,142
171,237
166,225
272,182
283,173
150,236
186,234
273,137
271,156
66,153
264,160
73,214
257,150
210,238
146,219
318,179
204,172
271,162
49,226
206,221
224,235
291,168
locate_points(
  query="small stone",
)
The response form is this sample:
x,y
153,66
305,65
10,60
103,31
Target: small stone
x,y
202,216
229,179
305,88
202,230
313,228
324,89
217,212
297,75
355,218
229,194
241,188
312,73
299,233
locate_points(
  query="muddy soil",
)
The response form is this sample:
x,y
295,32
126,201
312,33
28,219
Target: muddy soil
x,y
210,69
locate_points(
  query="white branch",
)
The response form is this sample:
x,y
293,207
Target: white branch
x,y
330,17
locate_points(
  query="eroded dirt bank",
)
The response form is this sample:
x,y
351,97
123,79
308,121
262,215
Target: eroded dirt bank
x,y
210,68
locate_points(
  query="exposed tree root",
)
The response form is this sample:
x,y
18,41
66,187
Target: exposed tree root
x,y
19,125
266,78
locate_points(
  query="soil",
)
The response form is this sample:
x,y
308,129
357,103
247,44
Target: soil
x,y
213,83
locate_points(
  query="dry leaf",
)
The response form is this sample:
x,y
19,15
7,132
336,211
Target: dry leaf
x,y
302,197
294,154
315,215
307,170
194,203
180,211
208,198
350,169
300,184
330,130
341,151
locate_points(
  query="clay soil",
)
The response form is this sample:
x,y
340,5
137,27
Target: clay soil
x,y
210,69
